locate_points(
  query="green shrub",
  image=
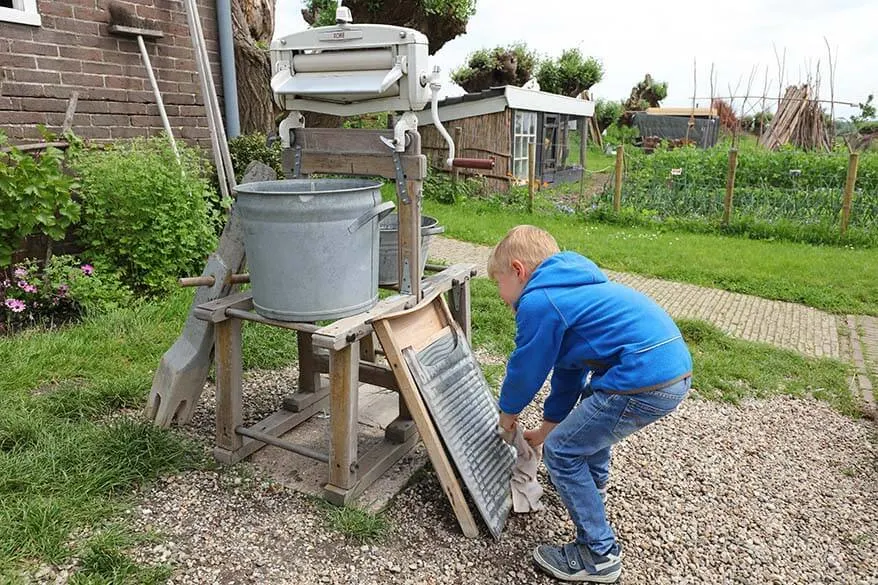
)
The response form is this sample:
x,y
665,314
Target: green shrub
x,y
35,197
143,214
246,148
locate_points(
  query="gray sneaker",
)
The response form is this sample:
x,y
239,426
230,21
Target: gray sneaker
x,y
575,562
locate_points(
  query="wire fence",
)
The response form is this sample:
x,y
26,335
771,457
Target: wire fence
x,y
803,190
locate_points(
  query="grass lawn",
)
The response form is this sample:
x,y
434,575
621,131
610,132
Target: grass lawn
x,y
833,279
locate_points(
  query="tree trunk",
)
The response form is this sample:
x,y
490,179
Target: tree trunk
x,y
253,27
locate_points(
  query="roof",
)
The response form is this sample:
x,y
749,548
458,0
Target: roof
x,y
697,112
498,99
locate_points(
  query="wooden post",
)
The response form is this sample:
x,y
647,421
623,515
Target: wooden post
x,y
583,138
458,146
730,186
229,390
849,184
617,195
531,174
344,367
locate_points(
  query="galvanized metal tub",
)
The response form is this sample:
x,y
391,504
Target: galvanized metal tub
x,y
388,246
312,246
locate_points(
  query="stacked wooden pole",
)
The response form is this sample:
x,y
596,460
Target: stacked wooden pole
x,y
799,120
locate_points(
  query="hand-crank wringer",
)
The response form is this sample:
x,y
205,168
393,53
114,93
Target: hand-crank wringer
x,y
343,70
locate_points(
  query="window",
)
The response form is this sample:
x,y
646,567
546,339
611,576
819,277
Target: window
x,y
20,12
524,133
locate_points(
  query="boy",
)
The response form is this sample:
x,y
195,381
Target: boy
x,y
611,349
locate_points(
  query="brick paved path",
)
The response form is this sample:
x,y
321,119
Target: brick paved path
x,y
806,330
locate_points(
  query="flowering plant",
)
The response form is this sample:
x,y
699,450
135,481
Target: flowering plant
x,y
61,291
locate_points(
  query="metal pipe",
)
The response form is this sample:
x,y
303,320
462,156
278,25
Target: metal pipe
x,y
257,318
227,64
158,95
269,440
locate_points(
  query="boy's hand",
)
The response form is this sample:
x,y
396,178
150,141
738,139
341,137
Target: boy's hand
x,y
535,437
508,421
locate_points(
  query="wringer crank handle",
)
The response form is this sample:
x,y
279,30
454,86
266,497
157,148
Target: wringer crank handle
x,y
452,161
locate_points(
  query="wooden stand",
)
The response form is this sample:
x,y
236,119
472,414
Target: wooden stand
x,y
341,349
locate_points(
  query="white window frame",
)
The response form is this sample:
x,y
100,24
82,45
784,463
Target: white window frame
x,y
22,12
523,133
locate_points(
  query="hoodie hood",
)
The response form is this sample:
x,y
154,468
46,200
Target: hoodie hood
x,y
562,270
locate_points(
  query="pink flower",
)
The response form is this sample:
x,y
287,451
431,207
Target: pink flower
x,y
15,305
87,269
26,287
19,273
63,290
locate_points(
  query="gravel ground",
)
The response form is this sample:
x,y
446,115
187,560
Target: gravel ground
x,y
782,491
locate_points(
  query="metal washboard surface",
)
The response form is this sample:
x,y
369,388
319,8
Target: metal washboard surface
x,y
466,416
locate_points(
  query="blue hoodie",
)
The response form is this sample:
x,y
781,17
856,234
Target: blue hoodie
x,y
571,318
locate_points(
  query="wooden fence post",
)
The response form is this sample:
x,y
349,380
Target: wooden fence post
x,y
849,184
617,196
583,137
730,185
531,174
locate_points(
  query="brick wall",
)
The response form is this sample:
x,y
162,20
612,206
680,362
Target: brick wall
x,y
40,67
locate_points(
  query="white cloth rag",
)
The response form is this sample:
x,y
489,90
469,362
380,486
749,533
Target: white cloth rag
x,y
526,490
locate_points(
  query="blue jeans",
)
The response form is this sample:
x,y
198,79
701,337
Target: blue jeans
x,y
577,452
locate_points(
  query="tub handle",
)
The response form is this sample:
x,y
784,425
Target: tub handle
x,y
379,211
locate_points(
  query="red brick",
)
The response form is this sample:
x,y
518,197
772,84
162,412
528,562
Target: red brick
x,y
31,48
126,108
56,9
30,76
17,61
103,93
55,37
101,68
43,105
93,107
11,89
179,98
146,121
90,14
82,53
122,58
157,14
175,52
124,82
31,117
191,111
82,27
153,110
110,120
6,103
82,79
18,33
50,64
93,133
190,133
180,76
128,132
139,96
57,91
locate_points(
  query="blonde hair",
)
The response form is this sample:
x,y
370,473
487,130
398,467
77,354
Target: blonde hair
x,y
528,244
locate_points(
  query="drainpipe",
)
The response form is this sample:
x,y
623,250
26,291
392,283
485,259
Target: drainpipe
x,y
227,62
